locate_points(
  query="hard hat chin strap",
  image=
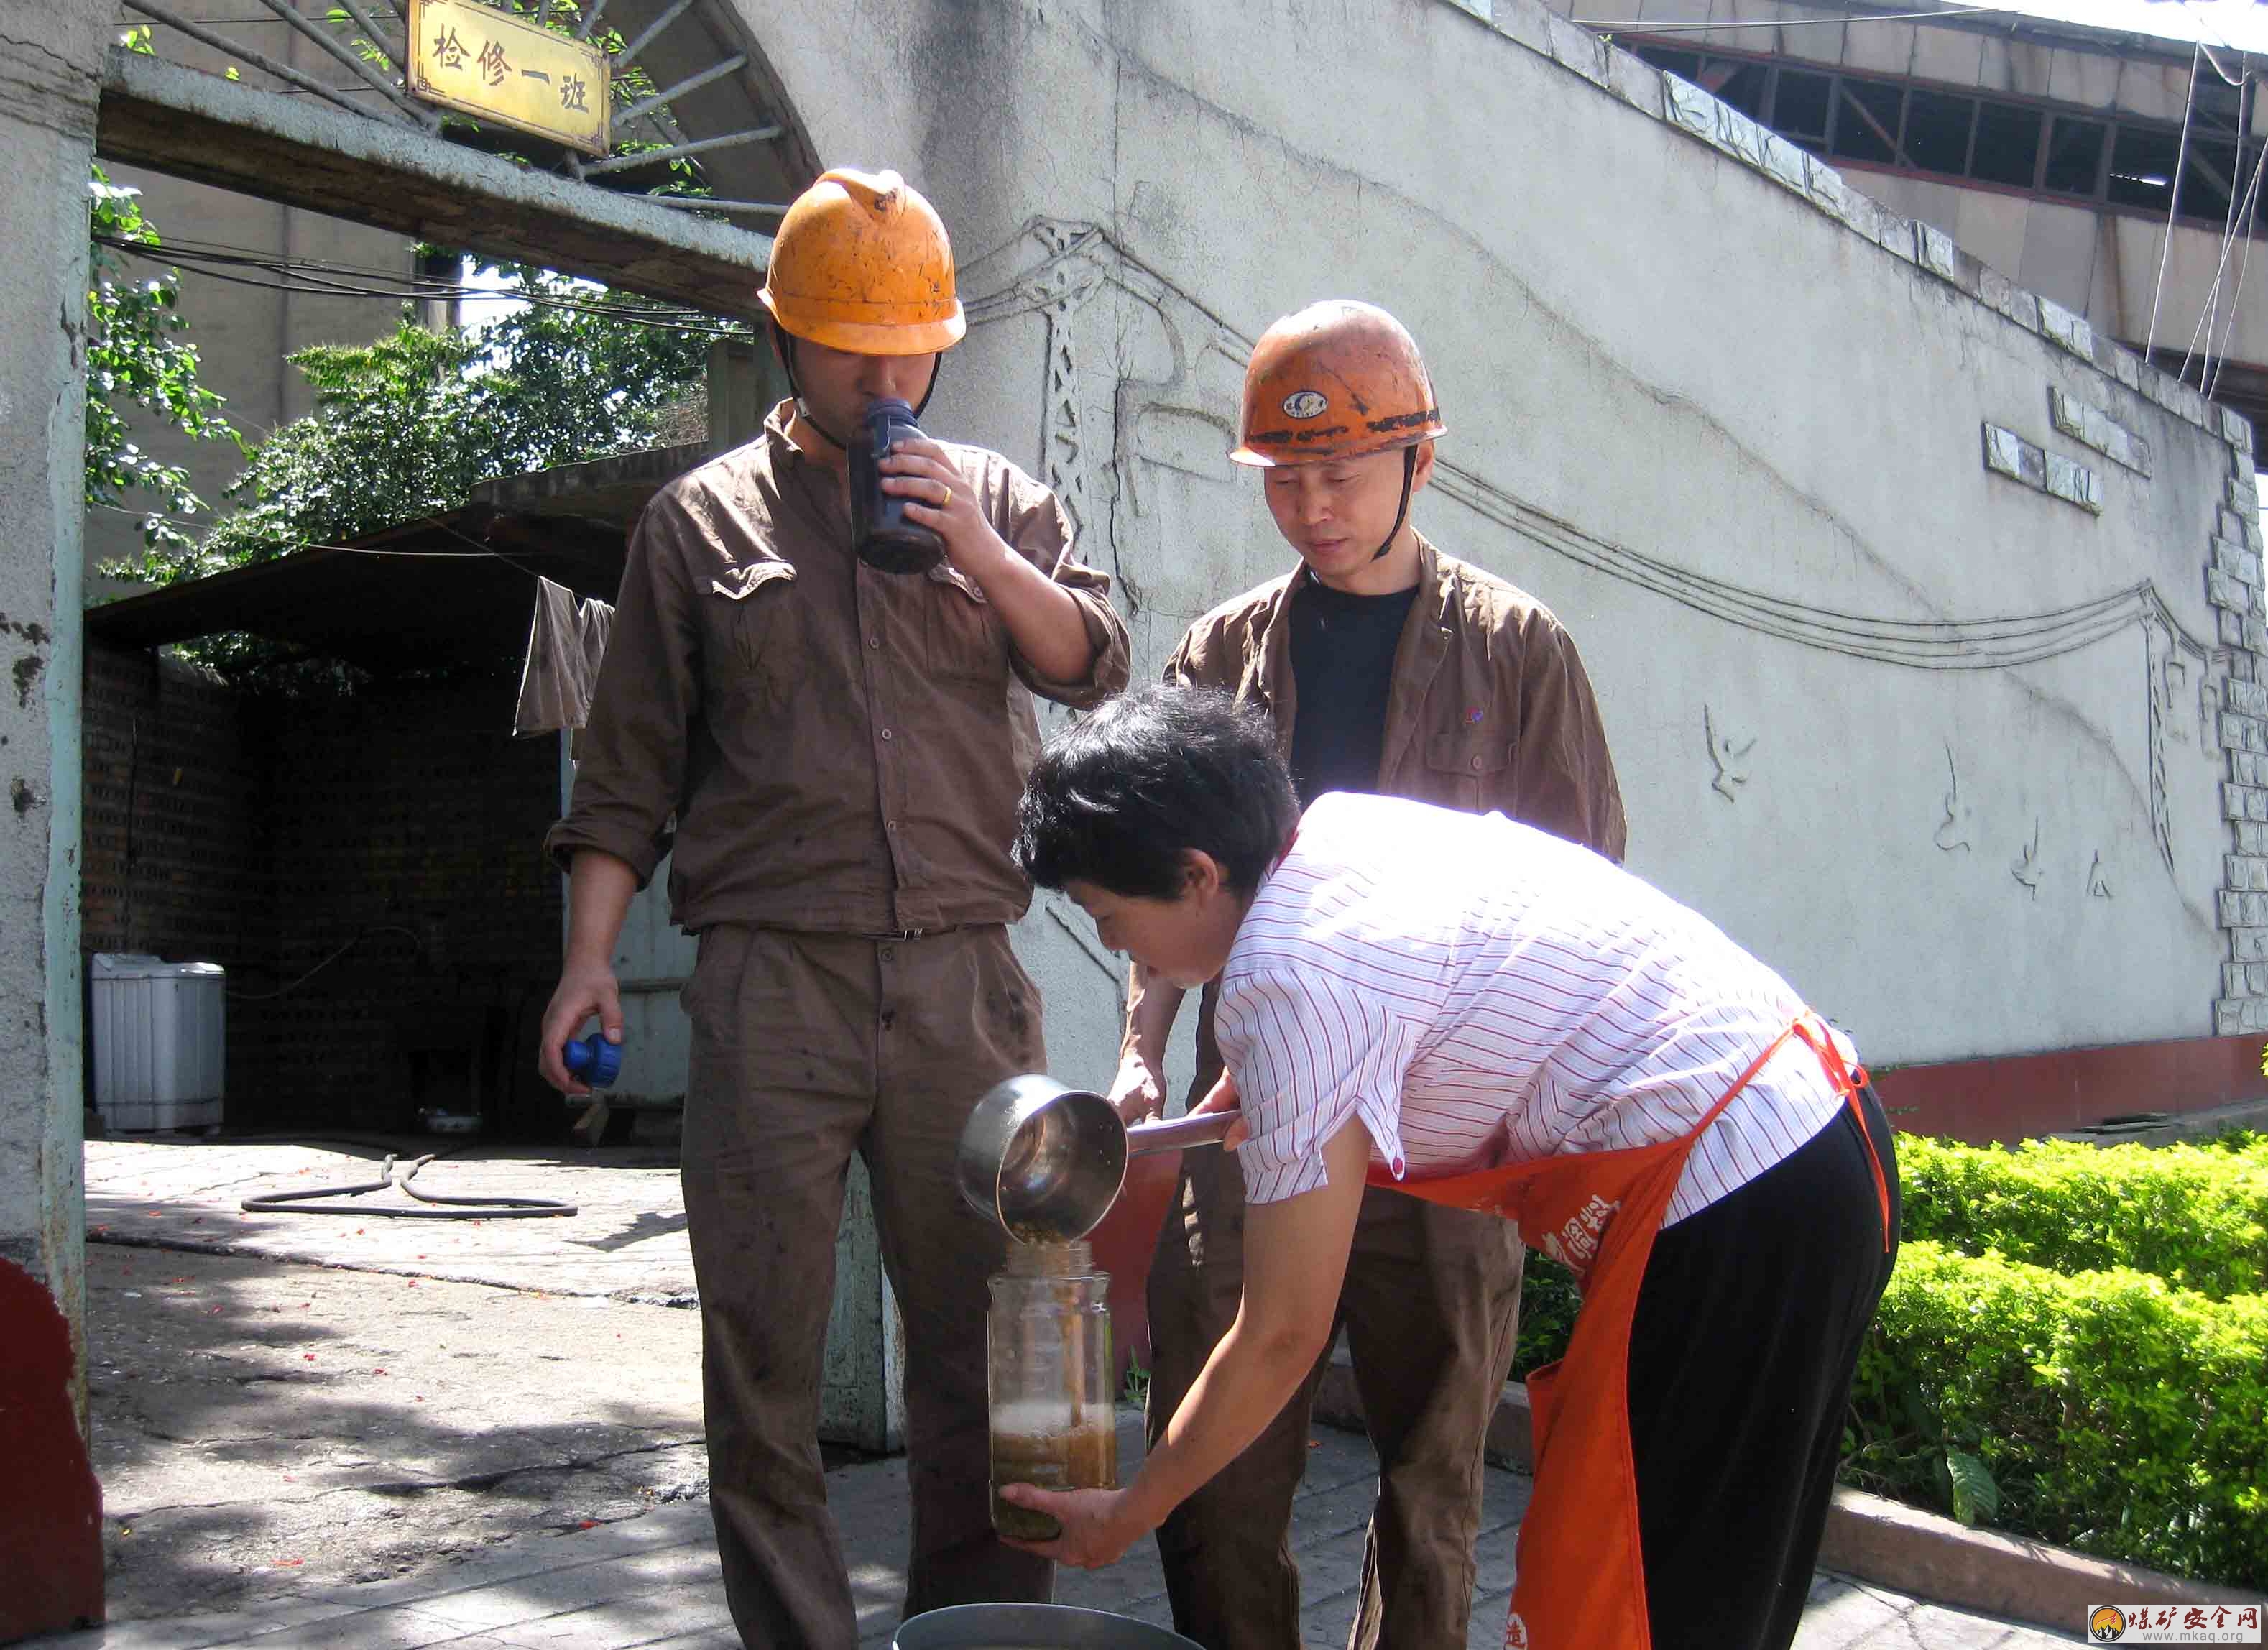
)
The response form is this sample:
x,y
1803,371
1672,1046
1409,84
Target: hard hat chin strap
x,y
786,341
935,365
1408,475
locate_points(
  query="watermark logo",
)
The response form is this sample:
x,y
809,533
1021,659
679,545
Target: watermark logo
x,y
2173,1623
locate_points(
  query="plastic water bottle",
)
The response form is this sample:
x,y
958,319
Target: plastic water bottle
x,y
878,528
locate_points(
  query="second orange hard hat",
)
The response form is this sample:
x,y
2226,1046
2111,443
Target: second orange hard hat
x,y
1337,380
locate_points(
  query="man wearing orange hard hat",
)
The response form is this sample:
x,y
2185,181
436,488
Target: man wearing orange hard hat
x,y
817,700
1386,668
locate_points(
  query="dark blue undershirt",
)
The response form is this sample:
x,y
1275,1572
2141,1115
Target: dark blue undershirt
x,y
1343,650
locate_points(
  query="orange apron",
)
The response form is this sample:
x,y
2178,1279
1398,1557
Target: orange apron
x,y
1581,1583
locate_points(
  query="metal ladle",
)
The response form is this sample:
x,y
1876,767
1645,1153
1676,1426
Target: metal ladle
x,y
1047,1161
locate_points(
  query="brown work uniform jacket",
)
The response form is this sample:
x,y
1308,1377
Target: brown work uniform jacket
x,y
1489,711
842,749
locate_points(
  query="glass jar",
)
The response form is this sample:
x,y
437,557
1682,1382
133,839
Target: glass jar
x,y
1054,1412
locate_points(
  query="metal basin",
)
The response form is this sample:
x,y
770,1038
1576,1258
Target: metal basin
x,y
1031,1627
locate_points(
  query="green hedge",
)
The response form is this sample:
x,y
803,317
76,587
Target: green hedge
x,y
2195,1216
2115,1414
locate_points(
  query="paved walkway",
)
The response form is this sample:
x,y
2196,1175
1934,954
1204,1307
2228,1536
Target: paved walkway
x,y
652,1581
650,1577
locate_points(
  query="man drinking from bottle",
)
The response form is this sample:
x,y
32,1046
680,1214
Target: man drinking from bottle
x,y
830,752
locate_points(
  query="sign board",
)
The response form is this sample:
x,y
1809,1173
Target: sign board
x,y
472,57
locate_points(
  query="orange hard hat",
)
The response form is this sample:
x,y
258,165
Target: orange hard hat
x,y
1337,380
862,263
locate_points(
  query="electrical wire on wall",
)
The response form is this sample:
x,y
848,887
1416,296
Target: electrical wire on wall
x,y
2014,13
1989,644
312,278
2209,369
285,990
2243,268
2243,199
1992,644
2173,199
2237,221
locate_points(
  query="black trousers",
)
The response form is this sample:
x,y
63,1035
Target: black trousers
x,y
1742,1350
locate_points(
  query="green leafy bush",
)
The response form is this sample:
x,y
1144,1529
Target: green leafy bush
x,y
137,356
407,425
2114,1413
404,428
1548,1300
2195,1216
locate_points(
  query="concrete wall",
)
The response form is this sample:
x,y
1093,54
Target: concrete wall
x,y
242,332
48,60
1701,395
47,119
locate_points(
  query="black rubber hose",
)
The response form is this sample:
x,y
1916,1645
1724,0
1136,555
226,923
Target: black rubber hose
x,y
495,1208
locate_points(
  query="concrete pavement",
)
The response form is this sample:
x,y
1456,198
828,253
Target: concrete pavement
x,y
380,1435
651,1581
626,1240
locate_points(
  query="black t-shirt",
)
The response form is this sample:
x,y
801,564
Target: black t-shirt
x,y
1342,650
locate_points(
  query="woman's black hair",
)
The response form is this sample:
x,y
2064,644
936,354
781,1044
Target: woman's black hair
x,y
1115,799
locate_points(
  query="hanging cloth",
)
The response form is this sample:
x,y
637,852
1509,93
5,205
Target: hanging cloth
x,y
566,641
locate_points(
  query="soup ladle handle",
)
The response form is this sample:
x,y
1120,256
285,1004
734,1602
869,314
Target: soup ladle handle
x,y
1204,1128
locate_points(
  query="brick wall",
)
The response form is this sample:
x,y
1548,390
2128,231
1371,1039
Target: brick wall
x,y
2234,588
393,833
174,846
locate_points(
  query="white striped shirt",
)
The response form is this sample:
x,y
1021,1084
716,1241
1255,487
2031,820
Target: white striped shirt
x,y
1479,992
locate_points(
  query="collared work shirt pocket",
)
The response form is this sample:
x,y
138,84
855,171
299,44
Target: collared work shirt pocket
x,y
1465,767
746,618
962,631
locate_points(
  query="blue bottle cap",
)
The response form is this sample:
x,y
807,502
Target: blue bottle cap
x,y
595,1060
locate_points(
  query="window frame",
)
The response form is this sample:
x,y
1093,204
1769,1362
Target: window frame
x,y
2111,122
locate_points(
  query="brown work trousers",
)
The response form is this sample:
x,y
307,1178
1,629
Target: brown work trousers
x,y
806,1049
1431,1304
